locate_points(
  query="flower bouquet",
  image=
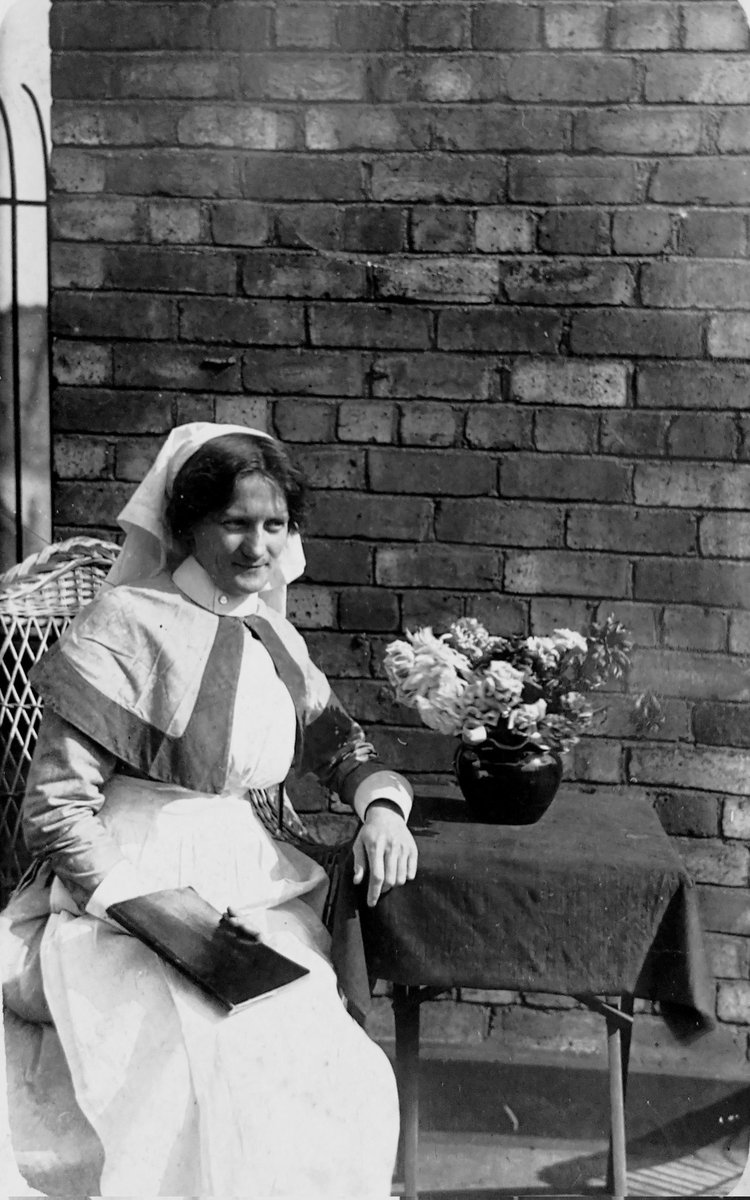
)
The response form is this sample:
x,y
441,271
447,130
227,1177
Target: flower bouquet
x,y
517,703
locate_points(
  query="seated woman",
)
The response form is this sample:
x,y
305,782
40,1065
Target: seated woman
x,y
174,707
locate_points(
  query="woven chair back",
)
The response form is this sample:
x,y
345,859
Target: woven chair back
x,y
38,598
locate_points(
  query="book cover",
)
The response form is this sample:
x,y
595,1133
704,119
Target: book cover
x,y
184,929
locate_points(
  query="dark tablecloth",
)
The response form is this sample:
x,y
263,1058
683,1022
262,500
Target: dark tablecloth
x,y
593,899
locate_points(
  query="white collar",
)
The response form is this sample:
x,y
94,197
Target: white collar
x,y
192,579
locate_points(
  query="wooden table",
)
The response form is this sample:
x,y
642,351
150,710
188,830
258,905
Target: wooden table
x,y
592,902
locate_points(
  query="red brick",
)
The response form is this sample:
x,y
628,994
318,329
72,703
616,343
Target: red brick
x,y
438,79
701,180
733,1002
237,25
366,421
81,458
644,26
228,410
438,178
642,231
454,280
96,410
569,572
687,78
575,78
733,136
309,421
690,628
99,314
88,504
564,477
367,516
270,176
78,170
678,580
373,228
178,222
739,633
437,566
575,26
560,179
81,363
335,467
703,435
129,26
729,335
110,123
313,226
337,562
641,434
631,530
714,26
574,231
76,266
724,909
312,607
506,27
134,456
449,1023
369,609
104,219
438,27
445,230
371,702
565,381
692,485
500,330
246,322
571,430
431,607
427,424
156,269
690,673
594,760
304,26
735,818
499,614
188,76
366,128
306,372
728,957
501,127
694,385
340,654
725,535
302,77
240,223
82,75
567,281
500,523
499,428
714,862
688,814
295,273
505,231
547,613
381,325
691,766
721,724
617,717
713,233
696,284
636,332
641,620
531,1030
242,126
369,27
627,130
163,365
415,750
437,376
432,472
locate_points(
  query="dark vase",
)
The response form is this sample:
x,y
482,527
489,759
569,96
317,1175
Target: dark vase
x,y
507,789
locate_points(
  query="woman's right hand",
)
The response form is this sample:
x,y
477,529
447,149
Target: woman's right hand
x,y
240,921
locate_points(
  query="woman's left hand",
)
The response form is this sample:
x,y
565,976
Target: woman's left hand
x,y
384,846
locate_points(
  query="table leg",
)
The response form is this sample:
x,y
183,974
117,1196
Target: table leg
x,y
406,1016
619,1034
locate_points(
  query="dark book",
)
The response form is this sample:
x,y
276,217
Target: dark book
x,y
232,967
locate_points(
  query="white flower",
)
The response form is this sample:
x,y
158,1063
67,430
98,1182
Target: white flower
x,y
545,649
525,717
568,640
428,675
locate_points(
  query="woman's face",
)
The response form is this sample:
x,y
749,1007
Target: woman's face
x,y
239,545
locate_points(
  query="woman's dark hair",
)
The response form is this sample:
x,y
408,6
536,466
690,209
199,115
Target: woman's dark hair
x,y
205,483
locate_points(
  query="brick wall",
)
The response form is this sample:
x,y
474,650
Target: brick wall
x,y
484,266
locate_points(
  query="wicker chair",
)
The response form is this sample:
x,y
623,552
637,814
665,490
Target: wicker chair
x,y
38,598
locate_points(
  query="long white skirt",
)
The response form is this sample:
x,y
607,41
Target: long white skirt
x,y
287,1098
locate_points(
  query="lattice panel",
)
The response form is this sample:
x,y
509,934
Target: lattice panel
x,y
24,640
